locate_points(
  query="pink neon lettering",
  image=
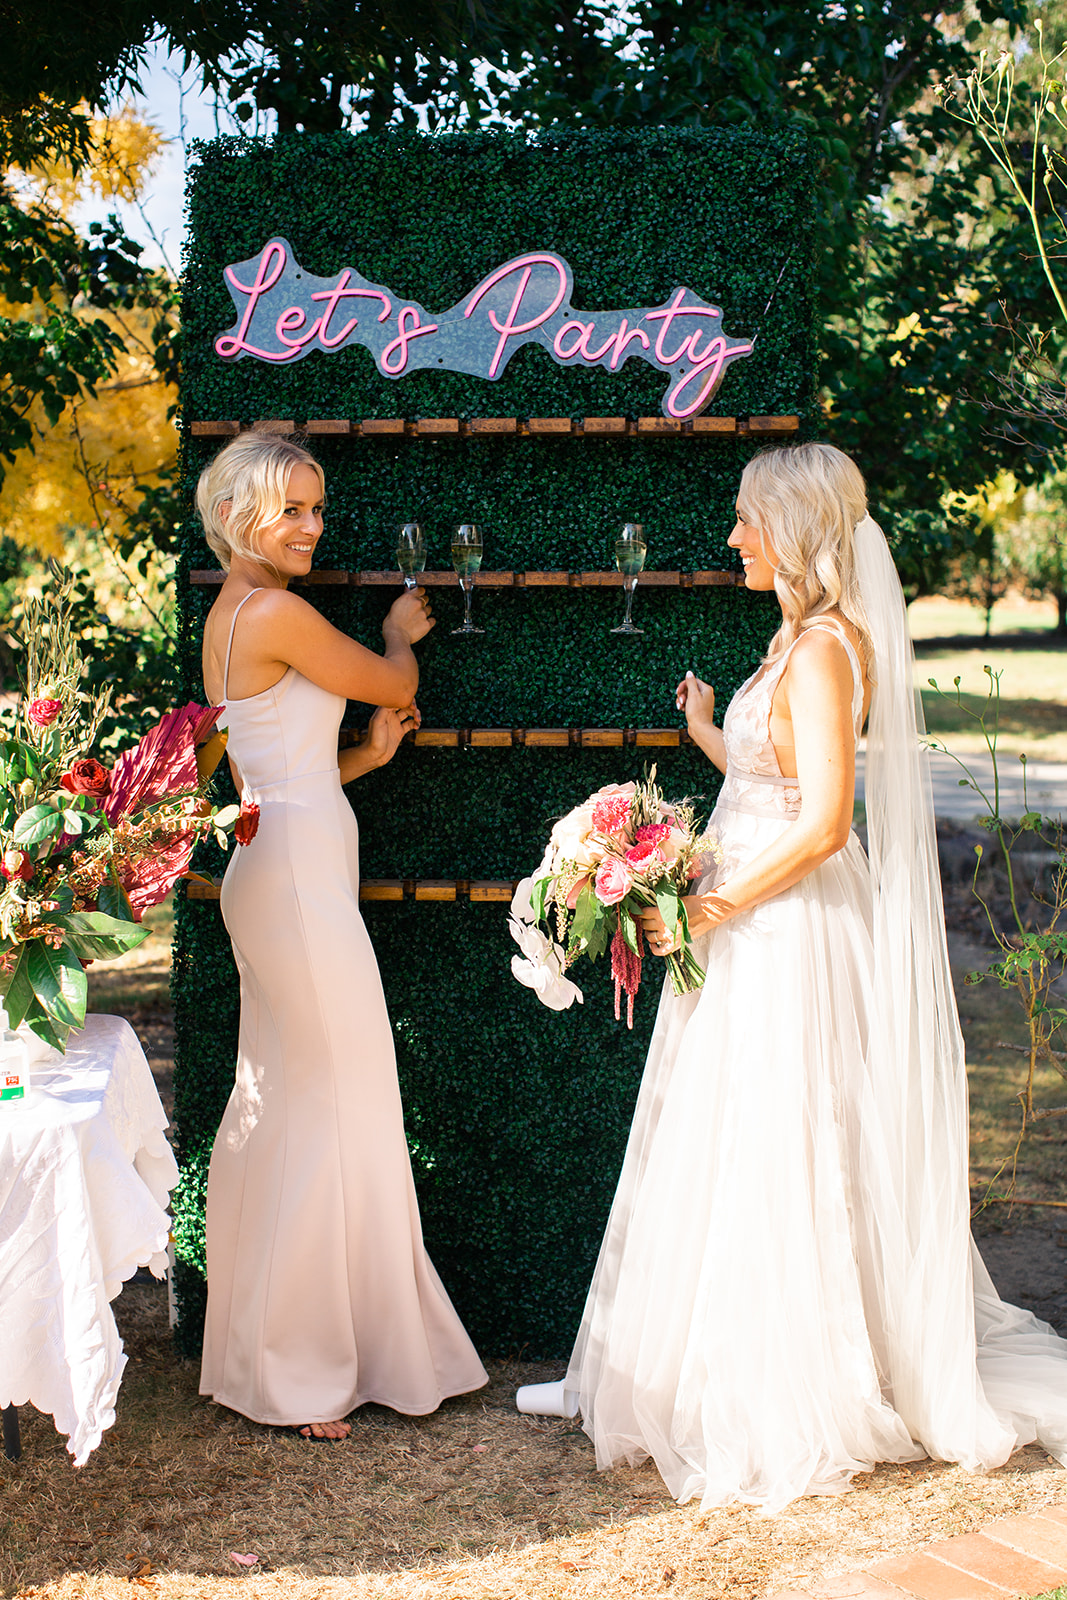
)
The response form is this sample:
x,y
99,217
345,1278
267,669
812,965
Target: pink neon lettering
x,y
270,268
583,330
289,321
340,291
622,339
676,309
509,327
403,338
709,367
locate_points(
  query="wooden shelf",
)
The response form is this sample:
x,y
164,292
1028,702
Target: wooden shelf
x,y
504,427
207,578
539,738
481,891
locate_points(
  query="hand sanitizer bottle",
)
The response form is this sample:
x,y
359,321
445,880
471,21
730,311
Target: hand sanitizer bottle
x,y
13,1062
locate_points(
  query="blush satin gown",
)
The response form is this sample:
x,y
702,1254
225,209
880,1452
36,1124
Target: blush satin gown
x,y
739,1328
321,1296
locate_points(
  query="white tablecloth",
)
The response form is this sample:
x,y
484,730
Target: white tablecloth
x,y
85,1176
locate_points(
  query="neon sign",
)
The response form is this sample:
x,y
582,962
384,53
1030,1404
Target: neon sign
x,y
284,313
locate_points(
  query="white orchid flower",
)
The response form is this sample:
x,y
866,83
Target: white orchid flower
x,y
541,967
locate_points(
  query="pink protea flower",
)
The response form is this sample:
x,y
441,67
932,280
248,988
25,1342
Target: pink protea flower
x,y
652,832
43,713
613,881
611,814
643,856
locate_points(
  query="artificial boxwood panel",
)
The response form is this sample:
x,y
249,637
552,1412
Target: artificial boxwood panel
x,y
516,1116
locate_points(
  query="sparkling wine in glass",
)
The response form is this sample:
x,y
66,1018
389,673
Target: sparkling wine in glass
x,y
411,553
466,559
630,550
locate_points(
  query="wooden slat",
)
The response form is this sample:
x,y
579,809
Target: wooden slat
x,y
211,577
324,575
375,427
658,425
547,425
602,738
489,890
381,889
435,889
436,738
494,425
716,579
714,425
668,738
491,738
595,425
214,430
550,580
429,426
548,738
328,425
279,425
773,424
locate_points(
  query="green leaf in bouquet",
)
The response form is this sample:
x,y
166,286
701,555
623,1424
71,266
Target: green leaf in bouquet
x,y
47,1028
113,902
226,817
94,936
539,898
61,896
75,822
629,931
600,938
585,917
16,988
669,906
59,982
36,825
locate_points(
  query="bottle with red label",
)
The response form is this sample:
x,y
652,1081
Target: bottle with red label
x,y
13,1062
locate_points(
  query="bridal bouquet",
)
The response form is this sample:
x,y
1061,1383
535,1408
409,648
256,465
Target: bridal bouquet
x,y
618,853
86,848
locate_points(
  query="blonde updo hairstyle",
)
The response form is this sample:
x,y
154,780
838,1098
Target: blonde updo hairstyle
x,y
248,480
808,499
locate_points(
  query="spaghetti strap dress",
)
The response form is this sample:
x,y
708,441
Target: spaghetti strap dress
x,y
321,1296
732,1330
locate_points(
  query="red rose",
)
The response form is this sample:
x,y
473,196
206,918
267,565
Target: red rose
x,y
247,824
87,776
43,713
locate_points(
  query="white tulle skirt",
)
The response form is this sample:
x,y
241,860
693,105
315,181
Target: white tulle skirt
x,y
732,1329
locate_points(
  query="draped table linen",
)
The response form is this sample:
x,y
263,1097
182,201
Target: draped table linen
x,y
85,1178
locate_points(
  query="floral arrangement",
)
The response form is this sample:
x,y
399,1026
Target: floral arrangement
x,y
84,848
618,853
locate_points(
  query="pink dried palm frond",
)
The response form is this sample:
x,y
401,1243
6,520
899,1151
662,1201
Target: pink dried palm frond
x,y
162,764
152,879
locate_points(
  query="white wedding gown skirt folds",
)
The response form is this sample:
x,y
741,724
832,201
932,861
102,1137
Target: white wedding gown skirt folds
x,y
320,1294
738,1328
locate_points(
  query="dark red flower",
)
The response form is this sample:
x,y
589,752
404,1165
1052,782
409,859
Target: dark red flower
x,y
16,864
247,824
43,713
87,776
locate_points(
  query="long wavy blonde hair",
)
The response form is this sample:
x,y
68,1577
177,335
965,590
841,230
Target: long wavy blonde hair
x,y
251,476
807,500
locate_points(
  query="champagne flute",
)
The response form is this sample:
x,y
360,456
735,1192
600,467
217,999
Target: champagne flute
x,y
411,553
466,559
630,550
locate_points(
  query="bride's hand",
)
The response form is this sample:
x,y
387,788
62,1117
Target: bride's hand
x,y
660,940
411,616
386,729
697,700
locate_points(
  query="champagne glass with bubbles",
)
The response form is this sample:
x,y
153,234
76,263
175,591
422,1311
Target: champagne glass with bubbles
x,y
630,550
466,559
411,553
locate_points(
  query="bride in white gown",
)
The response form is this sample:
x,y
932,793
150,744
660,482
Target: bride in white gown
x,y
787,1292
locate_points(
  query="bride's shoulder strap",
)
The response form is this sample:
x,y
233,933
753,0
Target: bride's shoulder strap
x,y
229,641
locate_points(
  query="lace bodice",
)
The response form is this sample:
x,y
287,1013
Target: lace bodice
x,y
754,782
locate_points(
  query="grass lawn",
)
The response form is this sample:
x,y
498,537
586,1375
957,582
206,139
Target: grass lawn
x,y
1033,663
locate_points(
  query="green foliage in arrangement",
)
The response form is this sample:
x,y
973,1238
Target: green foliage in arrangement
x,y
516,1117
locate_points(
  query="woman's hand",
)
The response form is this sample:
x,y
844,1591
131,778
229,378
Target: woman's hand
x,y
410,618
379,745
697,700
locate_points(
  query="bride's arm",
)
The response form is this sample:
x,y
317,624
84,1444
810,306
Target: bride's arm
x,y
697,700
283,629
817,688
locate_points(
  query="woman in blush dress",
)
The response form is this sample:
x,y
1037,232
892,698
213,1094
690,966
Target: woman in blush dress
x,y
320,1294
787,1291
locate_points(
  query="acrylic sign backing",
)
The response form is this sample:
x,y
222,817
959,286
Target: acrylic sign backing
x,y
284,313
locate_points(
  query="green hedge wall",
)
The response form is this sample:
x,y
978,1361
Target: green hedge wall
x,y
516,1116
